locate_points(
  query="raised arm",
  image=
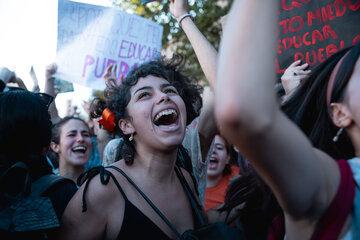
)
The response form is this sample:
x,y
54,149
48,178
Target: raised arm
x,y
205,52
249,116
50,89
207,56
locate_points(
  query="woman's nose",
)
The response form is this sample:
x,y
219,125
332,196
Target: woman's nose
x,y
79,138
163,98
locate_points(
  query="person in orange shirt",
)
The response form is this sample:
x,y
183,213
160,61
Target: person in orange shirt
x,y
219,173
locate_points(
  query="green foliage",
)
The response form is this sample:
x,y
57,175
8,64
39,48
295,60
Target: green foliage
x,y
207,15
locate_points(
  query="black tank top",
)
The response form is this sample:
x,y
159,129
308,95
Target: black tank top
x,y
136,225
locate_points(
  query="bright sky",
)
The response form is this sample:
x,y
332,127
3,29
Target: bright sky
x,y
28,38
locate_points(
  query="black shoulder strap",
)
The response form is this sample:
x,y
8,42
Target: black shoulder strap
x,y
105,176
18,166
149,202
42,184
190,194
184,161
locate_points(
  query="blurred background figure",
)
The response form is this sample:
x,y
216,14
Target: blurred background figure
x,y
219,173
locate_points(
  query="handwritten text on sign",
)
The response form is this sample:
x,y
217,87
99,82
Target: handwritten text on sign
x,y
90,38
312,30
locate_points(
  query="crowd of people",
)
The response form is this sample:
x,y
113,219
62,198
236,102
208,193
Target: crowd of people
x,y
162,157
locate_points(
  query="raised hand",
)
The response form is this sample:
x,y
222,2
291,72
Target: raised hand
x,y
178,8
293,75
110,76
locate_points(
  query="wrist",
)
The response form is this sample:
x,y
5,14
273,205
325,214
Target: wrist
x,y
184,16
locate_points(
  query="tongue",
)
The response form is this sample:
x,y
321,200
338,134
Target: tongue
x,y
212,165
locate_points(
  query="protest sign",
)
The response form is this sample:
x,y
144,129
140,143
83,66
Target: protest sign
x,y
91,37
312,30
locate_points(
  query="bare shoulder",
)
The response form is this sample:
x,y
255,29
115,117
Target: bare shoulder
x,y
90,213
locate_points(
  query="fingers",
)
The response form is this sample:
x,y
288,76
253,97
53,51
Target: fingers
x,y
51,69
121,78
295,69
114,70
303,72
108,71
294,64
304,66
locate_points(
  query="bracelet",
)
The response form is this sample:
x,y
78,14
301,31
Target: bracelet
x,y
185,16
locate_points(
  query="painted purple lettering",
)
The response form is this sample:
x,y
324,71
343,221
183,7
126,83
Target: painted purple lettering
x,y
97,67
81,17
123,68
89,60
121,48
148,54
132,49
140,49
110,61
132,29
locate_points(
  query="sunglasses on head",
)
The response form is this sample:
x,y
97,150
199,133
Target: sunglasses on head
x,y
47,98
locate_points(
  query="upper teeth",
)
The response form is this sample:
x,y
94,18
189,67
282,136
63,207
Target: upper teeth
x,y
79,148
165,112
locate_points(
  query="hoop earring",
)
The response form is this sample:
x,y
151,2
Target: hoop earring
x,y
336,137
131,137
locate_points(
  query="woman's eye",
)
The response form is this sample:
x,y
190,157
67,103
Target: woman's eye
x,y
144,94
170,91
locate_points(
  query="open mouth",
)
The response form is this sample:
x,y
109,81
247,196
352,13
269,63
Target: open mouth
x,y
213,162
166,117
79,149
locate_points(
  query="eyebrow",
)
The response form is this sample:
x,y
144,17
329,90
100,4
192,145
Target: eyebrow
x,y
165,85
143,88
162,86
75,131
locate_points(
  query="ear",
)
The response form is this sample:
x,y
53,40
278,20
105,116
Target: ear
x,y
126,126
341,115
55,147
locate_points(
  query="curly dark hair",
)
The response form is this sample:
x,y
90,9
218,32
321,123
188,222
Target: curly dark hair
x,y
118,97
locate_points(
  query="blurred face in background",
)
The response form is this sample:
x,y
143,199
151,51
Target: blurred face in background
x,y
218,159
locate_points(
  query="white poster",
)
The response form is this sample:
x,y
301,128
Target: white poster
x,y
91,37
